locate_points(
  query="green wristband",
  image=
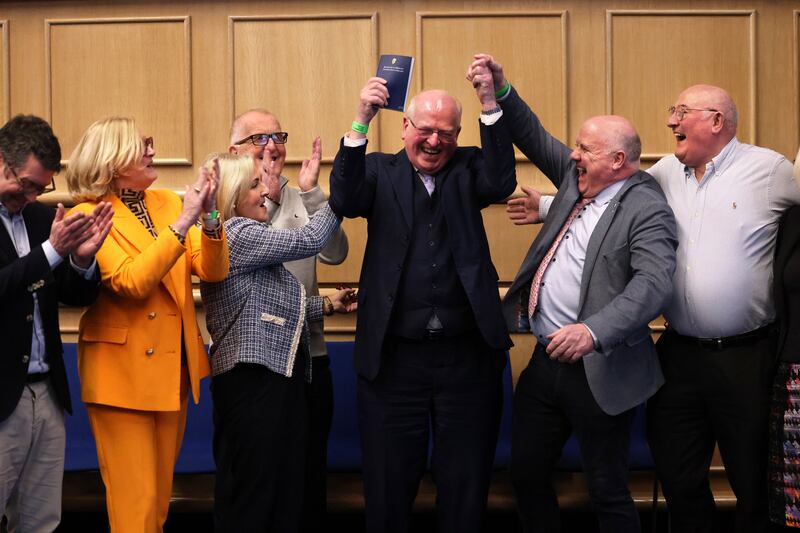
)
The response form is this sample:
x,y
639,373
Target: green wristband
x,y
502,91
359,127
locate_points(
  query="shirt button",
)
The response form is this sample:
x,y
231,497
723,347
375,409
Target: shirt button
x,y
433,265
390,297
430,243
25,358
433,285
29,318
149,351
151,315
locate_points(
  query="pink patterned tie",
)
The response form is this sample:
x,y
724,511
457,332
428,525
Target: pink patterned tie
x,y
537,278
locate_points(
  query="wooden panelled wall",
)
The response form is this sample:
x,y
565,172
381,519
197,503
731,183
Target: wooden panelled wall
x,y
184,69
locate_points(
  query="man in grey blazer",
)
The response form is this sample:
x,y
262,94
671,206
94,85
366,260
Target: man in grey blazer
x,y
601,268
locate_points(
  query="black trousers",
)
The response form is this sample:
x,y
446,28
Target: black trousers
x,y
450,388
259,449
319,395
712,396
552,400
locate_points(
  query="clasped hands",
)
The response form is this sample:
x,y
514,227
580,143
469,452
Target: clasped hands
x,y
80,235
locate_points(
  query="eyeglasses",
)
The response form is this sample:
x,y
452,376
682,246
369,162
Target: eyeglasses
x,y
29,186
681,110
262,139
444,135
148,143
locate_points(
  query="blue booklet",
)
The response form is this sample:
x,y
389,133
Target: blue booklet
x,y
396,70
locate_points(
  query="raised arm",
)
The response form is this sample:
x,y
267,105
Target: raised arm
x,y
542,149
254,245
352,190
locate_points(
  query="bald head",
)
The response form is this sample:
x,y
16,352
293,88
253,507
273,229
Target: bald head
x,y
704,122
430,130
259,121
435,101
619,135
251,120
606,151
713,97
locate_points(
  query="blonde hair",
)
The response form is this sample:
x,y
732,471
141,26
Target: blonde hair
x,y
236,173
109,147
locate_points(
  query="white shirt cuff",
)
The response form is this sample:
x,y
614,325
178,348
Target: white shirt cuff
x,y
53,259
354,143
544,206
594,337
488,120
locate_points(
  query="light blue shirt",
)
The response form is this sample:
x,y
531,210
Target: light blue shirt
x,y
559,293
727,225
15,226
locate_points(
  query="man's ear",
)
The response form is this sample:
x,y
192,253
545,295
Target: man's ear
x,y
619,160
718,122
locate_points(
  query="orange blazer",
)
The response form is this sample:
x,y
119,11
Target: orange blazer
x,y
129,343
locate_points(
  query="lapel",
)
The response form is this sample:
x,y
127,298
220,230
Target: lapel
x,y
132,230
401,174
174,281
37,234
600,231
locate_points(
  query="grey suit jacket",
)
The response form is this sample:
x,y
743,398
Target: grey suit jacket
x,y
627,274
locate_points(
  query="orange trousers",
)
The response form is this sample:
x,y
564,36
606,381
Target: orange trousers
x,y
136,451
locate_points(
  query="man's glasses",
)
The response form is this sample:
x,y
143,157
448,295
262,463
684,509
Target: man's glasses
x,y
29,186
262,139
447,136
682,110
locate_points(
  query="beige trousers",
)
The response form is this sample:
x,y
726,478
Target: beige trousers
x,y
32,442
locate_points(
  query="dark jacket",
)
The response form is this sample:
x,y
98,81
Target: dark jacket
x,y
379,187
19,279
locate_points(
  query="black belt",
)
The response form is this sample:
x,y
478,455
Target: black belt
x,y
433,334
37,377
720,343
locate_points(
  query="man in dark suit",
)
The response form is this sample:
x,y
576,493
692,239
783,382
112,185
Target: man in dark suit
x,y
599,270
430,340
35,274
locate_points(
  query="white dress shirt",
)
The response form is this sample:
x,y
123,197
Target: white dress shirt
x,y
727,224
559,294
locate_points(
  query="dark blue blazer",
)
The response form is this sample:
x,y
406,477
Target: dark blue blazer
x,y
379,187
19,279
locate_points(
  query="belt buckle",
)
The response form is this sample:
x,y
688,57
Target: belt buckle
x,y
434,334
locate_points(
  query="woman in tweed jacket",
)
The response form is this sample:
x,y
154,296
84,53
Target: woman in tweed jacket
x,y
258,320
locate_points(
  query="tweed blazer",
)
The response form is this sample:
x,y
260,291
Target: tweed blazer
x,y
627,272
260,312
129,343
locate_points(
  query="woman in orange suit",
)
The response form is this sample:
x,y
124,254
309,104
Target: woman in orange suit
x,y
139,348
